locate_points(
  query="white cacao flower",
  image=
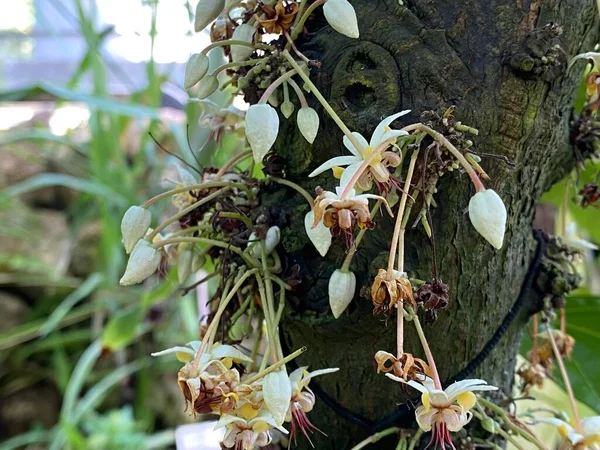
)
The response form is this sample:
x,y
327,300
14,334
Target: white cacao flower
x,y
342,286
134,225
341,16
143,262
245,33
195,69
488,215
277,393
320,236
308,123
262,127
206,12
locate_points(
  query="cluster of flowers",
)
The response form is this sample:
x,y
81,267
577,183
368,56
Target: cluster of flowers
x,y
251,406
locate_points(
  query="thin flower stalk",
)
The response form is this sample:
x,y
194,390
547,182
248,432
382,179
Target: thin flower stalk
x,y
230,42
193,187
452,149
375,438
346,264
232,162
313,89
299,93
275,84
273,367
567,381
428,354
296,187
299,24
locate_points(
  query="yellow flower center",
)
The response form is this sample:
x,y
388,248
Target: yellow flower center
x,y
425,401
261,426
563,431
368,152
183,356
227,362
467,400
337,171
248,412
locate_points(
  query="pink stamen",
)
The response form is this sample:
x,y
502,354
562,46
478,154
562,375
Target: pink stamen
x,y
440,436
300,421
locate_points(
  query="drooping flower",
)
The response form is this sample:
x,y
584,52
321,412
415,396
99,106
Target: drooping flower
x,y
342,286
342,214
262,127
341,16
386,293
279,18
488,216
206,12
308,123
134,225
143,262
588,438
319,235
445,411
406,367
248,433
302,400
195,69
378,168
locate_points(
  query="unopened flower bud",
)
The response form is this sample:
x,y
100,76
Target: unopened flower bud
x,y
342,286
245,33
319,235
206,12
184,262
287,109
207,86
488,215
277,393
308,123
198,261
143,262
271,241
195,69
262,127
489,425
134,225
341,16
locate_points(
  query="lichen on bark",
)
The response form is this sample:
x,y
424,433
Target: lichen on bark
x,y
429,55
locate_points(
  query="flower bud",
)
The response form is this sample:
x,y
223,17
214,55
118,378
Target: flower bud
x,y
207,86
195,69
488,216
206,12
277,393
341,16
262,127
271,241
245,33
198,261
134,225
308,123
184,262
287,109
143,262
341,291
319,235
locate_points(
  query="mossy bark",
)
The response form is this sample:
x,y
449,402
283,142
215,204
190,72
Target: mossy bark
x,y
426,55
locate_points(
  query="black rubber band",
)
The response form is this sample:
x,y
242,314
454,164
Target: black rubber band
x,y
403,411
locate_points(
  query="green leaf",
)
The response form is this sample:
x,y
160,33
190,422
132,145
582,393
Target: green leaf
x,y
121,330
583,316
61,368
56,179
86,288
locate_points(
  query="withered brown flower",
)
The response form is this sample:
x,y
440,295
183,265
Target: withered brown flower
x,y
590,194
434,296
531,375
278,19
387,291
406,367
564,342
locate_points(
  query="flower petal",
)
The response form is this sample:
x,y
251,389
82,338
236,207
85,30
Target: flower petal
x,y
379,132
350,146
348,174
393,134
319,235
277,392
591,425
337,161
425,417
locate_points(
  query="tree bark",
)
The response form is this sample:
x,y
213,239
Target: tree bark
x,y
429,55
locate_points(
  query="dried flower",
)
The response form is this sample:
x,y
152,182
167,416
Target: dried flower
x,y
378,168
262,127
278,19
386,292
342,286
434,296
143,262
445,411
341,16
406,367
134,226
531,375
488,215
564,343
590,194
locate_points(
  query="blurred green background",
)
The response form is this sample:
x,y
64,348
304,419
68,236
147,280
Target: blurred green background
x,y
83,84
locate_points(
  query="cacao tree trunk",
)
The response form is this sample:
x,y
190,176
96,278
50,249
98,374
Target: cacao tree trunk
x,y
495,61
